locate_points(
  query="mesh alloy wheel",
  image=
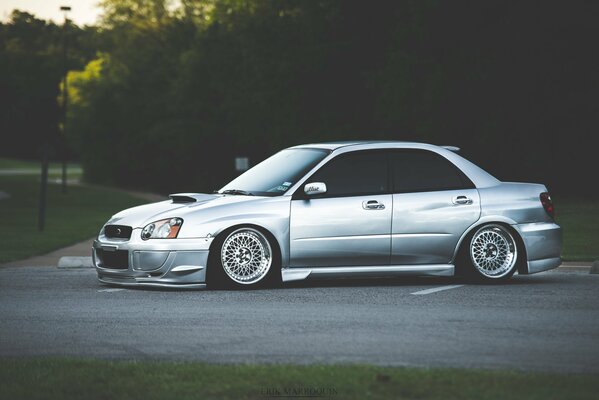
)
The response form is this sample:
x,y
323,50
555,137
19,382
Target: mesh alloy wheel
x,y
246,256
493,251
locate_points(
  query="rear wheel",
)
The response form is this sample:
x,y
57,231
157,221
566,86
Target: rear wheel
x,y
493,253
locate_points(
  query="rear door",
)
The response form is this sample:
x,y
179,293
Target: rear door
x,y
433,205
350,224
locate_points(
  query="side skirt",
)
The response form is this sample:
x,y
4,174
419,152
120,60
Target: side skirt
x,y
298,274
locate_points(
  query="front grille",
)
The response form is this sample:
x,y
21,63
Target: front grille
x,y
113,259
117,231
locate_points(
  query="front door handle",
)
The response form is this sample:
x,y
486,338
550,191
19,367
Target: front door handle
x,y
372,205
461,200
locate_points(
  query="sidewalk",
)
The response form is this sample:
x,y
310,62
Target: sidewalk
x,y
576,265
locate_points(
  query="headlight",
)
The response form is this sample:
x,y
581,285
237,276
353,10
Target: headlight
x,y
163,229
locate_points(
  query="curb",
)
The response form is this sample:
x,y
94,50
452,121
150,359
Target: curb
x,y
584,268
75,262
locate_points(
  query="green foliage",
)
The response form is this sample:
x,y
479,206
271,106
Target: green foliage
x,y
28,76
237,78
31,67
175,89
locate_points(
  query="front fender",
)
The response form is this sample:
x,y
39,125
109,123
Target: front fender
x,y
271,214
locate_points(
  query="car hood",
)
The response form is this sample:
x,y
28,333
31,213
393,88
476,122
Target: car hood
x,y
179,205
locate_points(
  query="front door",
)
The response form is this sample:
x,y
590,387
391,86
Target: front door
x,y
350,224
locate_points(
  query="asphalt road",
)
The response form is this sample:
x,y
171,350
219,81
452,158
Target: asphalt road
x,y
546,322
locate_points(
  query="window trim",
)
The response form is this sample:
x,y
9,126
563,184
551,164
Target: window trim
x,y
300,195
467,183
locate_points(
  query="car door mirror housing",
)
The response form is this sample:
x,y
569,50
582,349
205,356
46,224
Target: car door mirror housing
x,y
315,188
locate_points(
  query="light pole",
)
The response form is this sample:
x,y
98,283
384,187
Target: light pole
x,y
65,9
41,215
41,221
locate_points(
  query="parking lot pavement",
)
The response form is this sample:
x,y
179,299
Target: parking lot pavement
x,y
548,321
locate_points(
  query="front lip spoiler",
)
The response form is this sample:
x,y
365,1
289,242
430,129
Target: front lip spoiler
x,y
131,283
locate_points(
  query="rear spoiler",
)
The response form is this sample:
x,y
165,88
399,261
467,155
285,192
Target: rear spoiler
x,y
452,148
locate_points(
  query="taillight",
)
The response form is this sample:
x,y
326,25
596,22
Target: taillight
x,y
547,204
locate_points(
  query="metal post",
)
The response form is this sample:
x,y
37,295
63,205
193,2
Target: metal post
x,y
41,217
64,100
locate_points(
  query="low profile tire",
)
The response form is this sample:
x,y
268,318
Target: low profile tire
x,y
492,254
244,258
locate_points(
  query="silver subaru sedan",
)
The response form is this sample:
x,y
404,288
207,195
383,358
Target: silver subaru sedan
x,y
336,210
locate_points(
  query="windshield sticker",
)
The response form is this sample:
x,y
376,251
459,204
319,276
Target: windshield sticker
x,y
286,183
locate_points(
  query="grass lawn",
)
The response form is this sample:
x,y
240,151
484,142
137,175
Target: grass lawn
x,y
70,217
97,379
74,170
9,163
579,219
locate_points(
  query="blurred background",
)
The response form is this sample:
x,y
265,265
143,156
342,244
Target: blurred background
x,y
163,95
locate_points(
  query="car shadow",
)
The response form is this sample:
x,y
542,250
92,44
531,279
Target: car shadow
x,y
516,280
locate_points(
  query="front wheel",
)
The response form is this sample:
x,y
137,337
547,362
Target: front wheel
x,y
493,253
245,259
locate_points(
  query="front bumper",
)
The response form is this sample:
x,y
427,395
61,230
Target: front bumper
x,y
543,242
175,263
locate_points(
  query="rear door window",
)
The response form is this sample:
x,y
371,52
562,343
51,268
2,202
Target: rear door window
x,y
416,170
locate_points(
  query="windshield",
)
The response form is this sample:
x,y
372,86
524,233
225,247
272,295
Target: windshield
x,y
275,175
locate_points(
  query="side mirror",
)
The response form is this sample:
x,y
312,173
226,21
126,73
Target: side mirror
x,y
314,188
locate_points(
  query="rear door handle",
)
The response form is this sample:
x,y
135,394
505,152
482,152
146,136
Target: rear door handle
x,y
372,205
459,200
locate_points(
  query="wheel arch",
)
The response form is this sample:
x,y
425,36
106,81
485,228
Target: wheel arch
x,y
220,237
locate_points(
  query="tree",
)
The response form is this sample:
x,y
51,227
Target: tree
x,y
31,68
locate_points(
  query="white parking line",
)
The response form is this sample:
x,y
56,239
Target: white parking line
x,y
110,290
437,289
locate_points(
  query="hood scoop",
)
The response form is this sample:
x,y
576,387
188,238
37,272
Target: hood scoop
x,y
183,198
